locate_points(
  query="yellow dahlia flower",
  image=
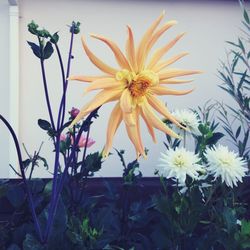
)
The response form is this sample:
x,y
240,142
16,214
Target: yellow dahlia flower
x,y
135,84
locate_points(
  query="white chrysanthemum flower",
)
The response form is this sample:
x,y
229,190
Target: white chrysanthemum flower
x,y
178,164
226,164
188,119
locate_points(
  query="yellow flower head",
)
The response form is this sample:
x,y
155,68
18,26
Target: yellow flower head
x,y
135,85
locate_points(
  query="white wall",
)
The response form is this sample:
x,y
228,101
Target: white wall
x,y
4,86
208,26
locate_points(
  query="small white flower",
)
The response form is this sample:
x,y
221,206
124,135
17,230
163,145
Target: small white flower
x,y
225,164
178,164
188,119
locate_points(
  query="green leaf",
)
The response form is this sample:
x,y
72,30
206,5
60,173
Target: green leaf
x,y
43,124
238,132
48,50
231,43
54,38
32,27
215,138
245,227
229,216
36,49
45,164
246,17
93,162
204,129
241,45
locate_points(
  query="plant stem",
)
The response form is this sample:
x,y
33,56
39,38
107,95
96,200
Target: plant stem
x,y
47,94
85,149
57,192
63,81
60,121
61,113
30,199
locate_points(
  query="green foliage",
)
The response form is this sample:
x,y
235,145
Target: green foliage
x,y
93,163
243,236
235,80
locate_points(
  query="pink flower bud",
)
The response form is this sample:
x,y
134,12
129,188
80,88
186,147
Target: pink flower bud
x,y
82,142
74,112
63,137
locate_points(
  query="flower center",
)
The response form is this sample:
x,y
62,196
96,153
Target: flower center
x,y
225,162
138,84
179,161
138,88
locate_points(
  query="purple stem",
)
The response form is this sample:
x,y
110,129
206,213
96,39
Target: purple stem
x,y
30,199
63,100
60,121
63,81
85,149
47,94
55,199
56,195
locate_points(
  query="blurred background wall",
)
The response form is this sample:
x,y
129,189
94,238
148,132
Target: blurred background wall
x,y
4,86
208,25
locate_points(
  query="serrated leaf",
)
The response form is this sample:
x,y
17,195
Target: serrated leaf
x,y
93,162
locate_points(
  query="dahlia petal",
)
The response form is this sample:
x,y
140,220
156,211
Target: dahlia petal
x,y
145,39
98,63
126,101
101,98
85,78
120,58
130,50
160,52
160,90
103,83
159,106
170,73
162,65
175,81
134,138
157,35
137,119
113,124
129,119
149,127
155,121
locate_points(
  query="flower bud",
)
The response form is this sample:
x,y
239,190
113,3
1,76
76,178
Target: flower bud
x,y
74,112
63,137
82,142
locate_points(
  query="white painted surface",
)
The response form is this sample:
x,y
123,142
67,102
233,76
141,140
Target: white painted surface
x,y
14,81
208,26
4,86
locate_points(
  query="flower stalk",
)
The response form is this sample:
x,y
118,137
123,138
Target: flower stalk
x,y
20,160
